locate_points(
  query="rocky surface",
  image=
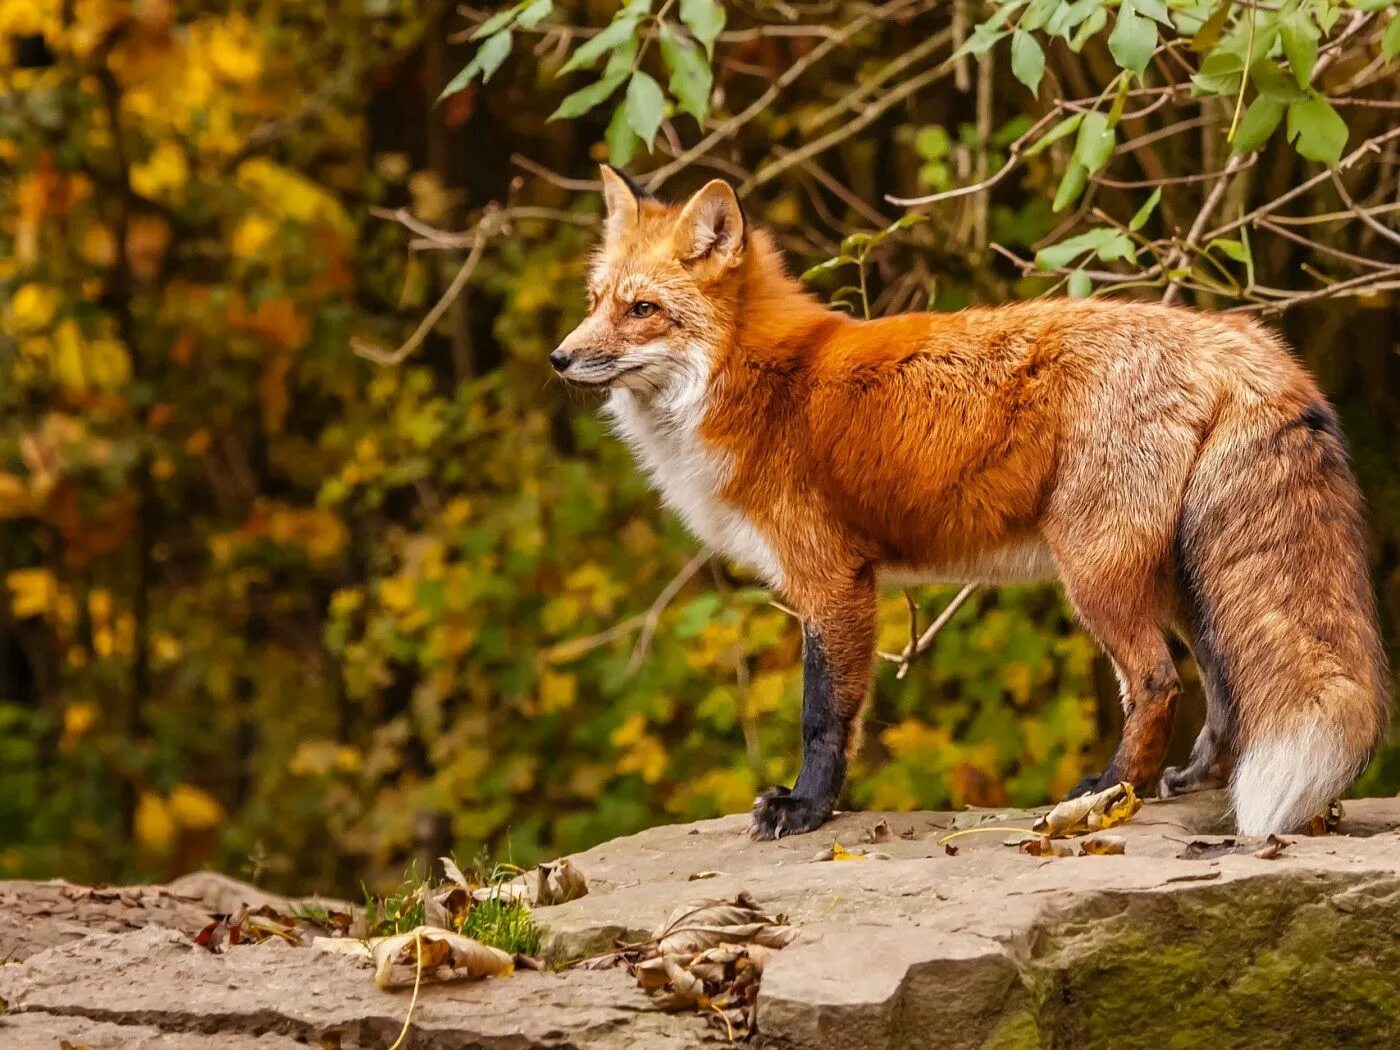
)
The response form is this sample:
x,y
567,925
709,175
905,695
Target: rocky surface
x,y
986,948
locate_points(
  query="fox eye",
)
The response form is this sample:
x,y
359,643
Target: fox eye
x,y
642,309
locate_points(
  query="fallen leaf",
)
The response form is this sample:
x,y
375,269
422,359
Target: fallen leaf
x,y
881,832
1095,812
1044,846
454,873
558,883
950,849
1272,847
1101,846
396,959
704,875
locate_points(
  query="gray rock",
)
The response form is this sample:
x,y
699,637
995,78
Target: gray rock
x,y
988,948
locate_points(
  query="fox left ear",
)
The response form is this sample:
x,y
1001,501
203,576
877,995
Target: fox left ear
x,y
712,226
622,200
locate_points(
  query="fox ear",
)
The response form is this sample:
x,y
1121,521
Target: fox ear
x,y
622,198
712,226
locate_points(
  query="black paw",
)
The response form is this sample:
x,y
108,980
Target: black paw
x,y
778,812
1089,785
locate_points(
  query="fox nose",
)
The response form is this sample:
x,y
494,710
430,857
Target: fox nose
x,y
560,359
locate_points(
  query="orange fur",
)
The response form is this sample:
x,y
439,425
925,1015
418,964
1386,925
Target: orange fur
x,y
1084,440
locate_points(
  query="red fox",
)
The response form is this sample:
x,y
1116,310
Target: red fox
x,y
1176,471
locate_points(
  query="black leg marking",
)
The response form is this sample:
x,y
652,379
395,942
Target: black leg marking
x,y
809,803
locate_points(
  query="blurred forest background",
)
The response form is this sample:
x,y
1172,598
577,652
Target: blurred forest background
x,y
283,599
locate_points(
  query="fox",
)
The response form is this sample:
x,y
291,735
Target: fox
x,y
1176,471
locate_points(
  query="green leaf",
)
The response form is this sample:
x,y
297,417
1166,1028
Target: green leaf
x,y
496,22
705,19
613,35
1059,131
1258,123
1095,143
1089,28
1270,79
1211,29
691,78
584,99
1069,15
1071,186
1038,13
645,105
1053,256
1027,60
932,142
1299,38
1238,250
535,13
1133,39
1390,42
1140,217
621,139
826,266
487,60
1080,285
1316,130
1155,10
985,34
1220,74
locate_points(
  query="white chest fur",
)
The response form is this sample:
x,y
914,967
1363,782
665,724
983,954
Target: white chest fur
x,y
664,436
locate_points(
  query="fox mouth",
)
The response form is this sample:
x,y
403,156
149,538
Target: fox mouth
x,y
593,380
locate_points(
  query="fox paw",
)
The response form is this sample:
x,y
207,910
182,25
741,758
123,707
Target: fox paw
x,y
1091,784
778,812
1177,780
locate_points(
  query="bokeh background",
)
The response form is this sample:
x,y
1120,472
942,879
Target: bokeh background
x,y
273,607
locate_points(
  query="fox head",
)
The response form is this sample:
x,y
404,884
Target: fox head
x,y
661,289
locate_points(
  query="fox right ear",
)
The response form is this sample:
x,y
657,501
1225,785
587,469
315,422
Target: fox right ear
x,y
622,199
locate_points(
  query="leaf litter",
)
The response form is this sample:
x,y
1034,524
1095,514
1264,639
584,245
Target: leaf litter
x,y
707,956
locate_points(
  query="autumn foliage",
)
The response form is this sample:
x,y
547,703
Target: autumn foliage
x,y
272,607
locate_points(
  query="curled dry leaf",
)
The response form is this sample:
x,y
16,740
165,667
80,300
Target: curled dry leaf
x,y
1102,809
1044,846
704,875
454,873
558,883
950,849
1325,823
881,832
445,956
1102,846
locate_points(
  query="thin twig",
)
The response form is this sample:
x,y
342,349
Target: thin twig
x,y
917,648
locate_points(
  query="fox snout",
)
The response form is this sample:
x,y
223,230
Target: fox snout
x,y
561,359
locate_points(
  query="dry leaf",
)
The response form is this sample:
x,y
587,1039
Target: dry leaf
x,y
704,875
836,851
1103,809
445,956
950,849
881,832
454,873
1043,846
559,883
1272,847
1102,846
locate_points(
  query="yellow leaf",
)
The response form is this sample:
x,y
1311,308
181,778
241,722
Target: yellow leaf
x,y
557,691
1078,816
840,852
251,236
193,808
154,826
77,720
163,173
33,592
32,308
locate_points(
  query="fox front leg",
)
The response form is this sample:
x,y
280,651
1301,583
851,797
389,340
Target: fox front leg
x,y
837,651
